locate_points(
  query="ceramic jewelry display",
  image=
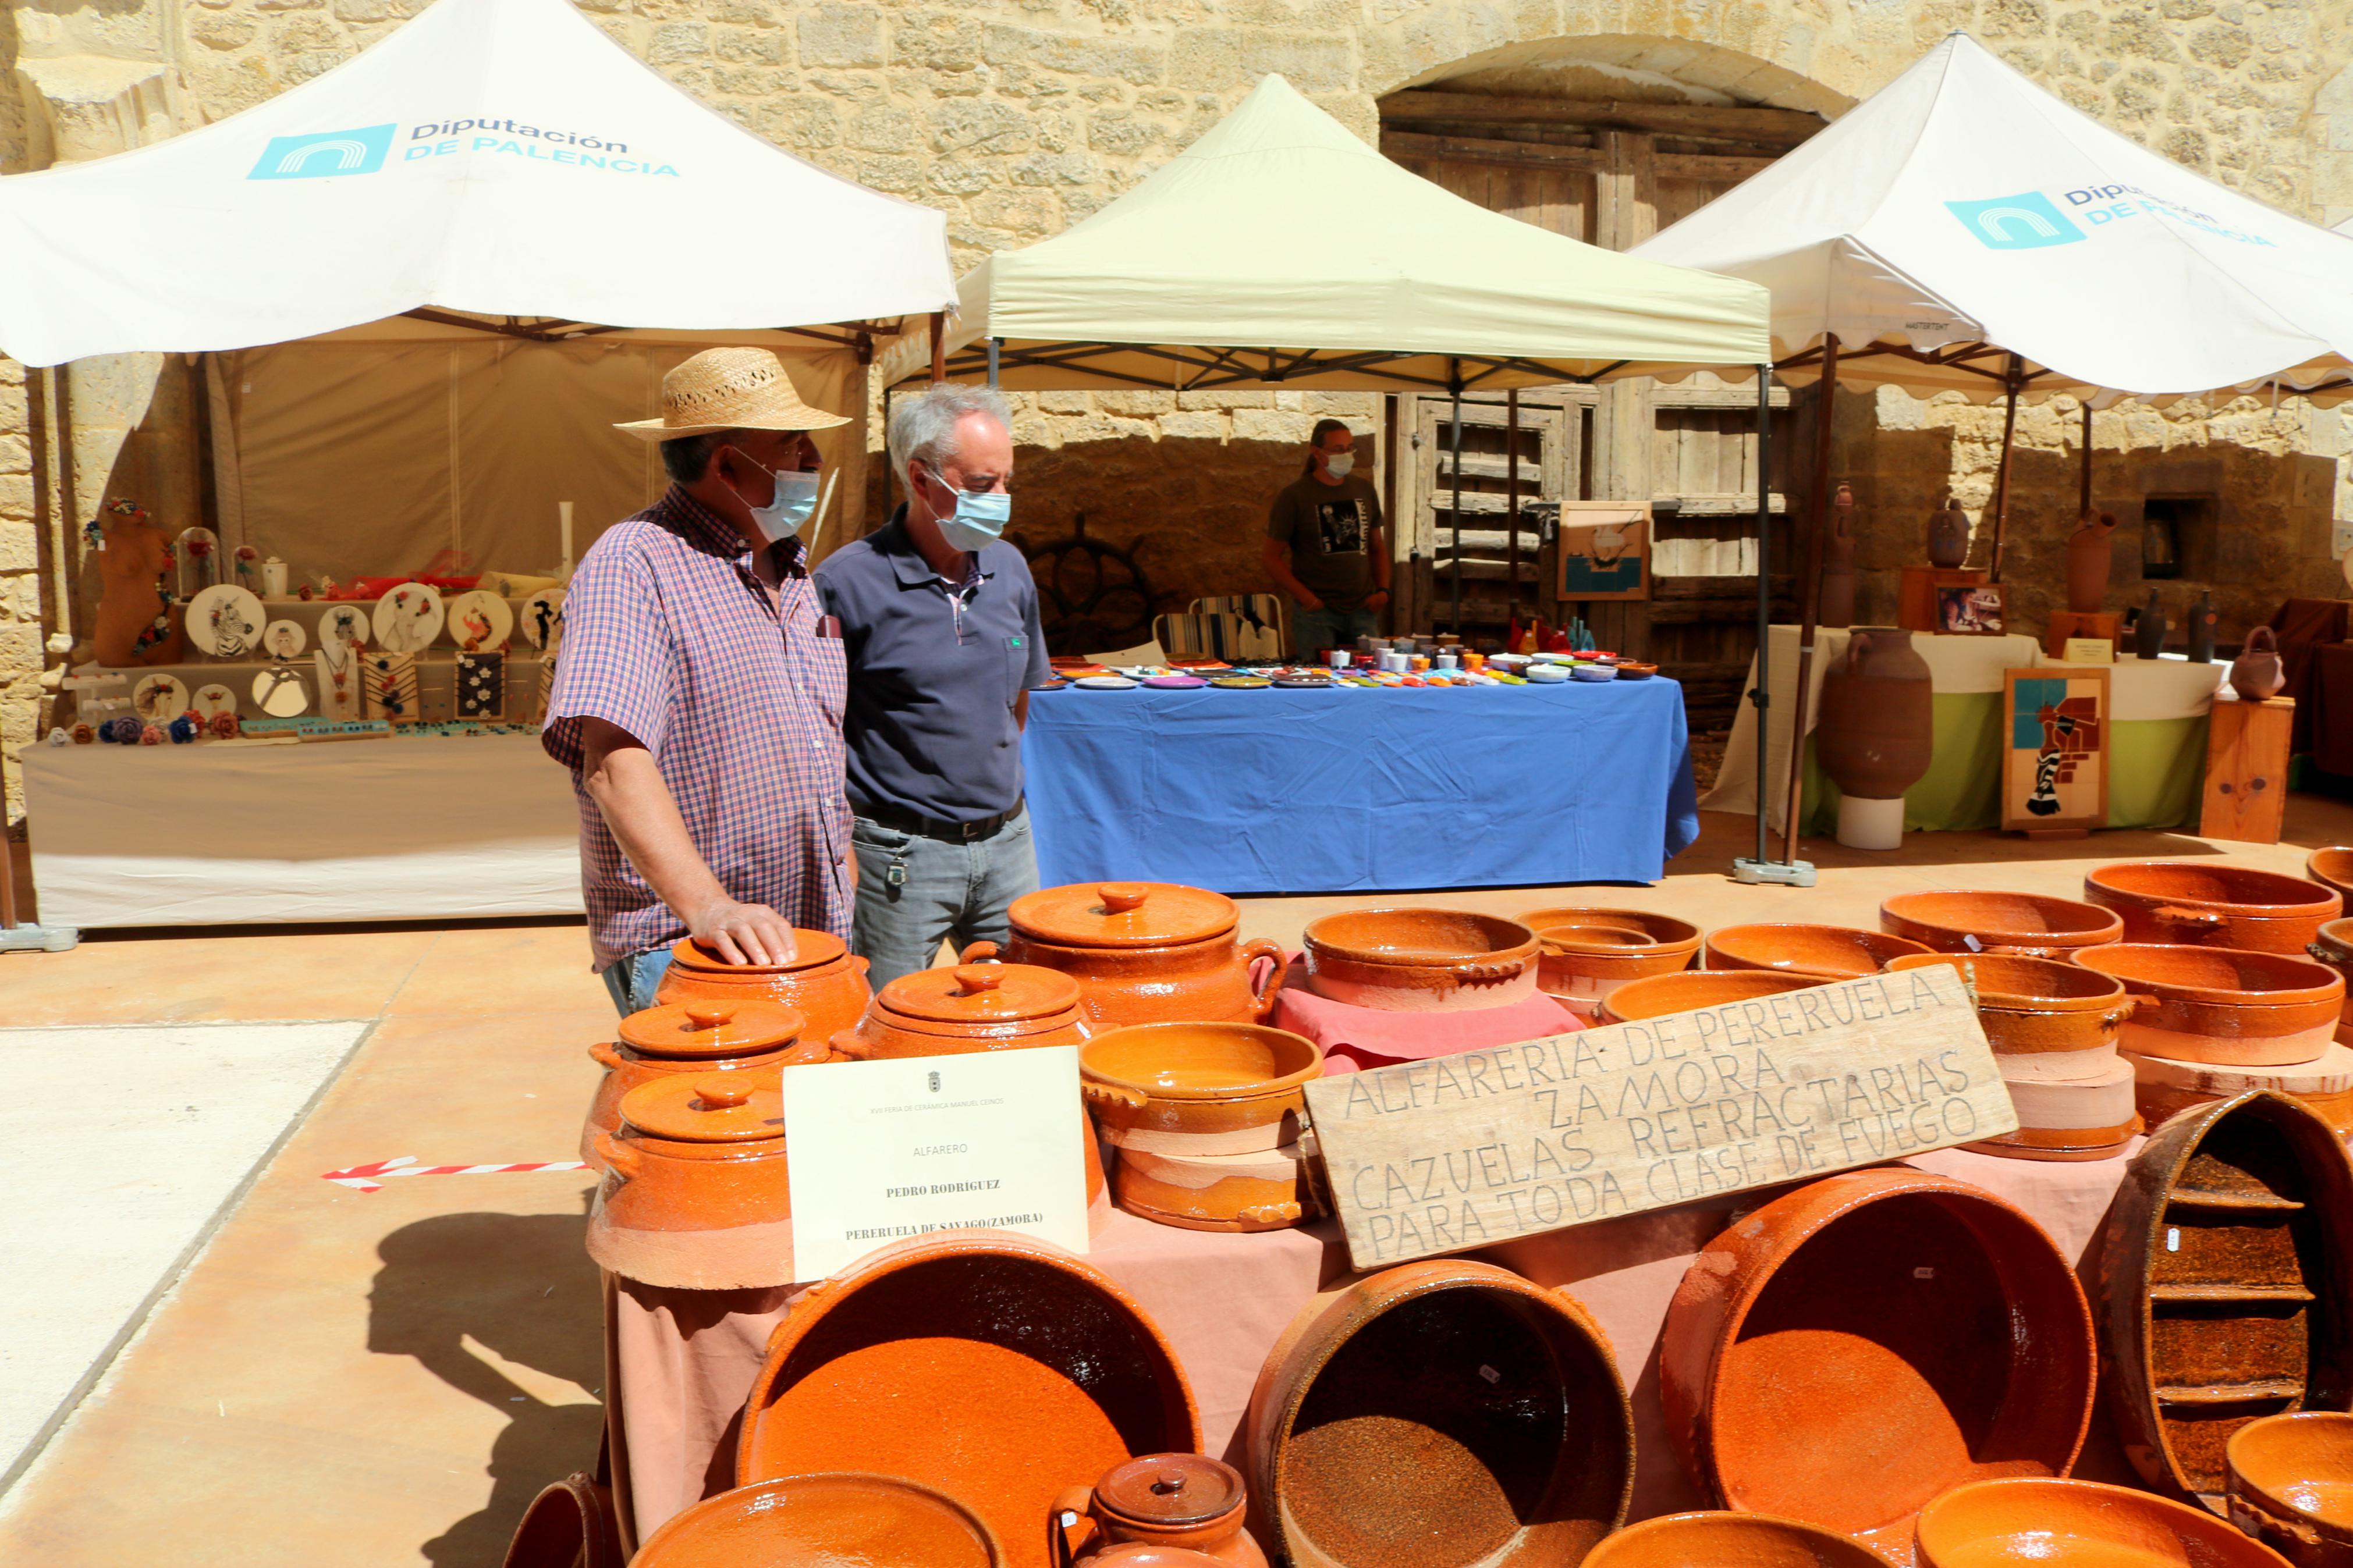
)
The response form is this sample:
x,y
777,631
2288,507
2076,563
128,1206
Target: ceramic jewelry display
x,y
224,620
408,618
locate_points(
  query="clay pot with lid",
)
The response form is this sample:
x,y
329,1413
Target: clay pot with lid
x,y
1584,954
836,1518
2046,1022
696,1194
969,1007
2223,1005
1846,951
2291,1485
1854,1348
2055,1523
823,982
1696,988
2028,924
1188,1502
2187,904
1413,960
1143,952
665,1040
1713,1540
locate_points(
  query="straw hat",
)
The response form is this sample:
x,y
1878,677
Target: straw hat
x,y
730,389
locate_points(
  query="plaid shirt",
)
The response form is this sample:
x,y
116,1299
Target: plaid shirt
x,y
668,635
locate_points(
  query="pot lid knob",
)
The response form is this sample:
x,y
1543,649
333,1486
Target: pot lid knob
x,y
1118,898
1168,1483
710,1016
975,978
717,1094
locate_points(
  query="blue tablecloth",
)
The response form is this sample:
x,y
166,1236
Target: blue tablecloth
x,y
1353,789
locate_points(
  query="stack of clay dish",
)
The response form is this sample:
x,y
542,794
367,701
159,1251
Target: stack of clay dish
x,y
2291,1485
1730,1541
1186,1503
803,1522
822,981
2054,1028
1420,959
2028,924
569,1524
1846,951
1436,1415
2221,1006
1857,1346
695,1194
1696,988
1207,1119
1586,953
997,1369
2226,1286
691,1038
2323,1085
969,1007
2184,903
1143,952
2333,868
2031,1522
2334,947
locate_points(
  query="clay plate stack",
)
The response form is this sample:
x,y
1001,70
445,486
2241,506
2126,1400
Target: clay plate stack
x,y
1587,954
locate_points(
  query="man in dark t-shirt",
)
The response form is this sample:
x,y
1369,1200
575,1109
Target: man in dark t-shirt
x,y
1325,546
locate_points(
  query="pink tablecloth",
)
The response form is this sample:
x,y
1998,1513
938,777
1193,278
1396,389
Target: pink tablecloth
x,y
685,1360
1355,1038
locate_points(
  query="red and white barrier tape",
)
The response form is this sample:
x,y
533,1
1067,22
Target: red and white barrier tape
x,y
371,1178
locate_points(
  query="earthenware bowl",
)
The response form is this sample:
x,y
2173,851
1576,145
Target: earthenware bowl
x,y
678,1037
1696,988
1187,1502
970,1007
1855,1347
2165,1089
2333,945
1269,1189
1198,1089
1409,960
2223,1004
823,982
696,1194
1439,1413
1579,973
570,1524
1143,952
2044,1019
2029,1521
2333,868
2188,904
1810,949
2093,1117
1730,1541
2291,1485
842,1518
2025,923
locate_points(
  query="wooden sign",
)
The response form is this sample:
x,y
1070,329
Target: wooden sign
x,y
1463,1152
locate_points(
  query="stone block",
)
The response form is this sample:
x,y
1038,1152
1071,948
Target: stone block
x,y
936,40
15,452
16,496
224,33
1055,169
801,122
675,42
1136,402
1030,214
882,128
20,549
1141,63
1271,424
1229,57
1121,135
2225,48
901,176
980,125
960,177
1225,400
1062,401
841,36
751,82
748,46
1197,425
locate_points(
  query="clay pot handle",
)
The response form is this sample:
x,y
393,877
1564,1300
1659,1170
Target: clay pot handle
x,y
710,1016
971,979
1118,898
1263,1002
617,1156
2329,954
1857,645
2176,915
848,1047
980,952
1070,1525
1112,1094
1284,1213
2268,639
605,1057
1509,969
722,1093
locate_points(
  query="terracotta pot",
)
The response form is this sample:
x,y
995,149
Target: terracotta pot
x,y
1138,1554
801,1522
1855,1347
1843,950
2225,1284
2165,1088
693,1037
1270,1189
971,1007
1876,733
2183,903
1948,536
2256,674
570,1524
1143,952
1198,1089
2223,1006
2291,1486
2088,551
1188,1502
1696,988
824,981
1730,1541
2024,923
695,1194
1580,972
1021,1371
1438,1414
1420,959
2094,1118
2333,868
2074,1524
2045,1021
2332,946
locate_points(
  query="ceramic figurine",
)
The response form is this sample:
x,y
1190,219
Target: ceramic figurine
x,y
2088,551
1948,536
2148,628
2256,674
2203,617
1837,604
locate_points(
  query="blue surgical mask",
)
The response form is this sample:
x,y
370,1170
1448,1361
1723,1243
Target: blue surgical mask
x,y
788,510
1339,463
979,519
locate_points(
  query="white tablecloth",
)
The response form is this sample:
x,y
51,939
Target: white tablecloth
x,y
432,828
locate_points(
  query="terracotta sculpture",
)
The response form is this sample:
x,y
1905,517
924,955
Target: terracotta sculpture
x,y
1948,536
2256,674
2088,551
137,623
1877,732
1836,606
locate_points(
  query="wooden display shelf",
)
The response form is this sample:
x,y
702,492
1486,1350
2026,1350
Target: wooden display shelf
x,y
2246,770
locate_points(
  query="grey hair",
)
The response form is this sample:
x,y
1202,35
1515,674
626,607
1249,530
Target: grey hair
x,y
923,426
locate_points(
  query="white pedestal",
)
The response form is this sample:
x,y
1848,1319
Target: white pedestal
x,y
1871,824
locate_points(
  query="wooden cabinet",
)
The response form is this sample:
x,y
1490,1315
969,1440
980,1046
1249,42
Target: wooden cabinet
x,y
2246,770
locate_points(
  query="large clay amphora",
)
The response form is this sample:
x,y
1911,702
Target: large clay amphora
x,y
2256,674
2088,563
1948,537
1877,728
1836,606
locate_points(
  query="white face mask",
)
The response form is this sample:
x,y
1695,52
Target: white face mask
x,y
1338,464
788,510
978,521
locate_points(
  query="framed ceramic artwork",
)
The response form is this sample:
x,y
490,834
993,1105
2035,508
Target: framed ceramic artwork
x,y
2054,760
159,698
340,674
279,691
543,617
1970,612
224,620
390,687
284,640
408,618
344,625
212,701
481,622
481,685
1605,550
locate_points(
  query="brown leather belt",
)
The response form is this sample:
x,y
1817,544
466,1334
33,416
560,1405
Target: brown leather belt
x,y
931,827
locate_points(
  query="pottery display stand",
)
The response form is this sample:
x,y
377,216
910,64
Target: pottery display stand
x,y
1915,595
2064,624
2246,769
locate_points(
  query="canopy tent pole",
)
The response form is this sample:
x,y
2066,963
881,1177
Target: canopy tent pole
x,y
888,487
2013,378
939,346
1454,523
2084,501
1512,501
1796,874
994,345
1808,599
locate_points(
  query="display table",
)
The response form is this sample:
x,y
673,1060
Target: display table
x,y
2157,748
431,828
1352,790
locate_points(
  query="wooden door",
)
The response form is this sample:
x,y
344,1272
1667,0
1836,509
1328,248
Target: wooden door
x,y
1504,568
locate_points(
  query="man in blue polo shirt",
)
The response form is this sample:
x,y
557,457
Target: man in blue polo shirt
x,y
939,619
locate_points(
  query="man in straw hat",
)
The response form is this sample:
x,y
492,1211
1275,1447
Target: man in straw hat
x,y
698,697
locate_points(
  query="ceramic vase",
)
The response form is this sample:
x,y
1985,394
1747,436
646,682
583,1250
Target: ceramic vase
x,y
1948,537
2148,630
1837,604
2256,674
1876,733
2088,550
2203,619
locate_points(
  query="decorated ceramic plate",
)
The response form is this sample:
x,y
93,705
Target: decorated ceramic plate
x,y
159,698
408,618
212,701
1057,684
224,620
279,692
543,617
1176,682
1104,683
284,640
342,625
1546,674
1243,682
1303,682
479,621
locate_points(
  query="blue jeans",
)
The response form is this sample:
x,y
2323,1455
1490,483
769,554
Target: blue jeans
x,y
633,980
1329,627
954,891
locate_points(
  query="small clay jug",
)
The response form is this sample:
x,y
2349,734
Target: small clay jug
x,y
1877,731
1182,1500
2148,630
2256,674
1836,606
2088,551
1948,536
2203,617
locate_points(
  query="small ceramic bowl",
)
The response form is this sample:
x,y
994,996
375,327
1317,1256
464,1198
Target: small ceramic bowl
x,y
2030,924
1696,988
2333,868
2035,1521
2224,1006
1820,949
2291,1484
1729,1540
